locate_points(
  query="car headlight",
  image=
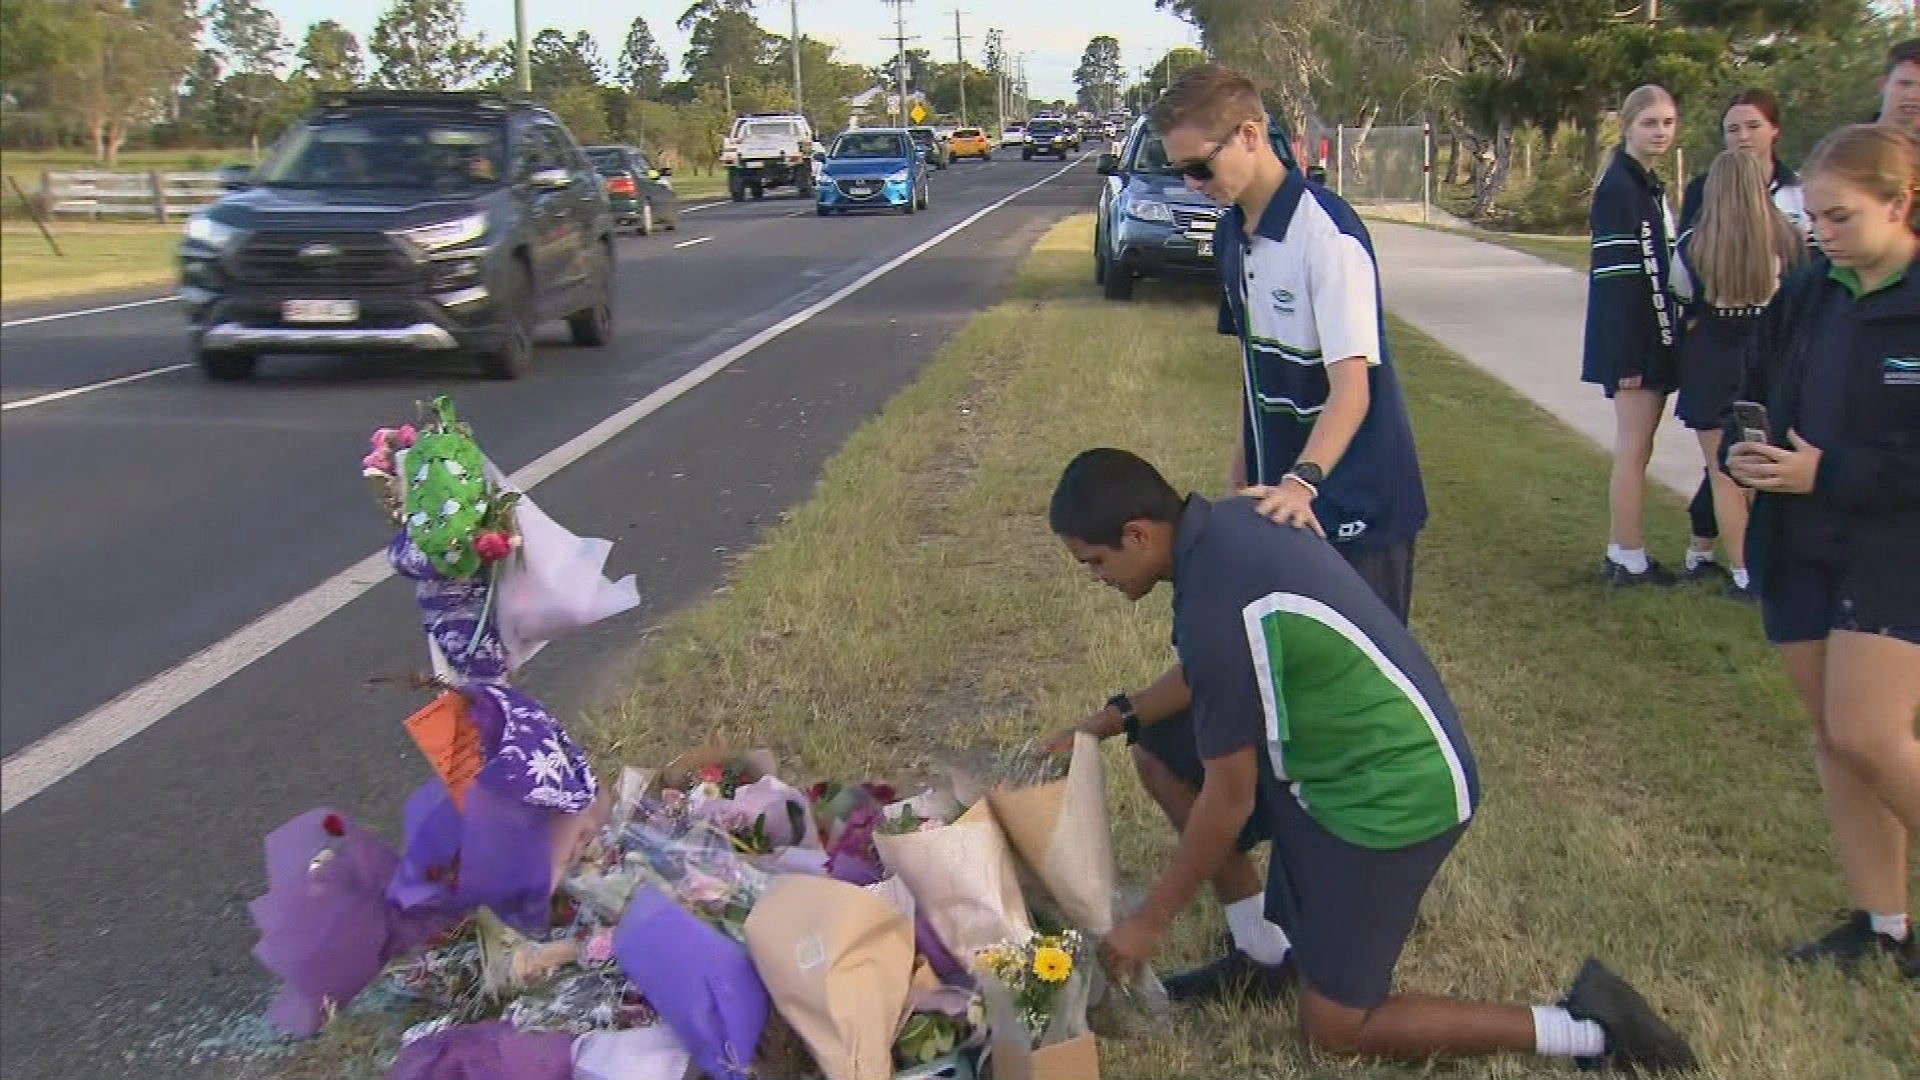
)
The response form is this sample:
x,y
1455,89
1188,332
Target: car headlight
x,y
1150,210
446,234
207,232
897,178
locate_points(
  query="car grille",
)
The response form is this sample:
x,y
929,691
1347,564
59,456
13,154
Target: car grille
x,y
861,187
1196,219
311,258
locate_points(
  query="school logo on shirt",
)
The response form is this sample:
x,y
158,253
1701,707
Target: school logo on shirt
x,y
1900,371
1283,301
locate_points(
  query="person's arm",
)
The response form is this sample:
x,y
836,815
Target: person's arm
x,y
1161,698
1227,324
1345,292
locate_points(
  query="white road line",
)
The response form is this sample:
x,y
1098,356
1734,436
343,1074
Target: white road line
x,y
704,206
61,753
695,240
62,395
58,315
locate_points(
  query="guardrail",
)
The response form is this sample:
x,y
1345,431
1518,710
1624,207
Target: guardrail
x,y
153,196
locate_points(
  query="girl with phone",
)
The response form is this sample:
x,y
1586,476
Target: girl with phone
x,y
1725,272
1631,328
1834,541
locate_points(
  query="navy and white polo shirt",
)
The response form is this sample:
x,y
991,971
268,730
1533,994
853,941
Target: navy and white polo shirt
x,y
1301,293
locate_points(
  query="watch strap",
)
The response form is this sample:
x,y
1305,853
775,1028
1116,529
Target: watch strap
x,y
1129,719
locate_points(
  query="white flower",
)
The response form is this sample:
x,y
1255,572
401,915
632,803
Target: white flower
x,y
704,792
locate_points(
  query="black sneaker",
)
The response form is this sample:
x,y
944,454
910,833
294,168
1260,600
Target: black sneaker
x,y
1233,977
1638,1041
1746,594
1707,570
1620,577
1853,941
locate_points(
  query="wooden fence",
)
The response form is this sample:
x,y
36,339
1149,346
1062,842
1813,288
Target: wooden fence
x,y
150,196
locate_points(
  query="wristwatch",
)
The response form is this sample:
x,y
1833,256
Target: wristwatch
x,y
1129,720
1309,475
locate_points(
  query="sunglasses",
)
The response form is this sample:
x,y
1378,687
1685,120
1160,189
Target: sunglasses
x,y
1202,170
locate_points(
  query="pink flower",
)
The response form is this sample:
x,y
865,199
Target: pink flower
x,y
379,437
492,546
406,436
599,947
379,461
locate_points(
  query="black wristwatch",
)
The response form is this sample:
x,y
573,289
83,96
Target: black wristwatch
x,y
1129,720
1309,475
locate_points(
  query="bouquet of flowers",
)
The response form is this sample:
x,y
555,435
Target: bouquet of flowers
x,y
1041,974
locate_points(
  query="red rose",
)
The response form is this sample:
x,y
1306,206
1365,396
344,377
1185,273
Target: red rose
x,y
819,790
333,825
882,793
712,774
492,546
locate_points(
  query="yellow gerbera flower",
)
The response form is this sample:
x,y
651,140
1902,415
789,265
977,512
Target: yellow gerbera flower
x,y
1052,964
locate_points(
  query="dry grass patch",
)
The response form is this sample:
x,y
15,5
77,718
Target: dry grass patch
x,y
97,257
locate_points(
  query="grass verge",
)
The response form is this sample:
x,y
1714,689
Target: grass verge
x,y
1665,818
97,257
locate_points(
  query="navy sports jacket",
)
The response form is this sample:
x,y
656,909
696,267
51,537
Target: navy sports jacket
x,y
1631,324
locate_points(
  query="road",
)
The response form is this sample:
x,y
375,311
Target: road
x,y
144,521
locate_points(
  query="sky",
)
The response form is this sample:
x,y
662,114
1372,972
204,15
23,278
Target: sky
x,y
1051,33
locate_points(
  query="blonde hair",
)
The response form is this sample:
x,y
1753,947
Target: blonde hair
x,y
1642,98
1743,241
1876,159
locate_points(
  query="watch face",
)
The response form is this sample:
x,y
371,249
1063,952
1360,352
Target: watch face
x,y
1309,472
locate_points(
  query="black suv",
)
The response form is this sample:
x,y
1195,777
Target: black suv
x,y
403,222
1046,137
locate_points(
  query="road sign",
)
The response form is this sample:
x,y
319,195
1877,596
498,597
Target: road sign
x,y
918,112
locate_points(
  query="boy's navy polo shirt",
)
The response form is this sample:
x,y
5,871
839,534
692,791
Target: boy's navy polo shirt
x,y
1303,292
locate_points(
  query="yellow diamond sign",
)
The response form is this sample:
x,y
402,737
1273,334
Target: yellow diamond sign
x,y
918,113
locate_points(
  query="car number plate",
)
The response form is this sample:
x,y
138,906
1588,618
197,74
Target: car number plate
x,y
1206,248
319,311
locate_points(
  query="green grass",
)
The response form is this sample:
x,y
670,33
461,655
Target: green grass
x,y
1649,795
97,257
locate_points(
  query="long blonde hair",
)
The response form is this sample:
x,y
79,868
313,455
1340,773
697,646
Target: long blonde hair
x,y
1742,242
1642,98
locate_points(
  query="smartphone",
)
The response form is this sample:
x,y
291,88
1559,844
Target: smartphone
x,y
1751,418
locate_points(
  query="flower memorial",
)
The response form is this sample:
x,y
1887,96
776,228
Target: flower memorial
x,y
535,924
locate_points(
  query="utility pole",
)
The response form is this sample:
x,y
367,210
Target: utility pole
x,y
900,56
799,102
726,80
522,70
960,62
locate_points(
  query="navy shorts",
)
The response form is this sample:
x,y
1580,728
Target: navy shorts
x,y
1802,600
1347,909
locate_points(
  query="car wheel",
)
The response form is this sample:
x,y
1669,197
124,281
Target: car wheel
x,y
1026,155
511,354
1119,282
823,211
1099,260
592,326
910,205
737,188
759,190
226,366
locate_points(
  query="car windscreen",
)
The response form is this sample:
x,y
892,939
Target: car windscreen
x,y
924,136
388,151
968,133
869,146
607,157
1044,127
768,129
1150,156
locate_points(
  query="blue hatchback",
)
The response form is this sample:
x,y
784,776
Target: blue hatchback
x,y
873,169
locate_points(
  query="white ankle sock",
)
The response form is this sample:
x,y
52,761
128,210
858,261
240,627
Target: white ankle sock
x,y
1893,926
1264,942
1634,560
1695,557
1557,1034
1740,577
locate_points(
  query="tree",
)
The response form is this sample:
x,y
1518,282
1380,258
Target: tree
x,y
422,45
1099,75
555,61
115,63
996,53
722,39
330,57
250,36
643,67
579,107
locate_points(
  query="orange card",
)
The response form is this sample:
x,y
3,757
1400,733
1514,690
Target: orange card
x,y
450,742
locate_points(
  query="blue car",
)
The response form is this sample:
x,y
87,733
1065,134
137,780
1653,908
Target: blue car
x,y
873,169
1148,222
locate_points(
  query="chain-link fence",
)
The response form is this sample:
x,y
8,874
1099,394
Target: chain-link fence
x,y
1381,166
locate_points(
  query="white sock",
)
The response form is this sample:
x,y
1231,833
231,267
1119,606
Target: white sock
x,y
1696,557
1264,942
1557,1034
1740,578
1635,560
1893,926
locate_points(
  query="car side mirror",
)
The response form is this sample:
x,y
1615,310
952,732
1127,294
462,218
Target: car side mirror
x,y
664,170
1109,165
550,180
235,177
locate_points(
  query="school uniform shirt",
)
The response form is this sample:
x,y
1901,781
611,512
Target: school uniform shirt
x,y
1715,349
1288,650
1784,187
1300,293
1842,367
1631,326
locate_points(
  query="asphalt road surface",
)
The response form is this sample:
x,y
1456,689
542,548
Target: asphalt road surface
x,y
142,522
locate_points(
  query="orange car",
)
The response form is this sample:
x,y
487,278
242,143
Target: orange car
x,y
969,142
